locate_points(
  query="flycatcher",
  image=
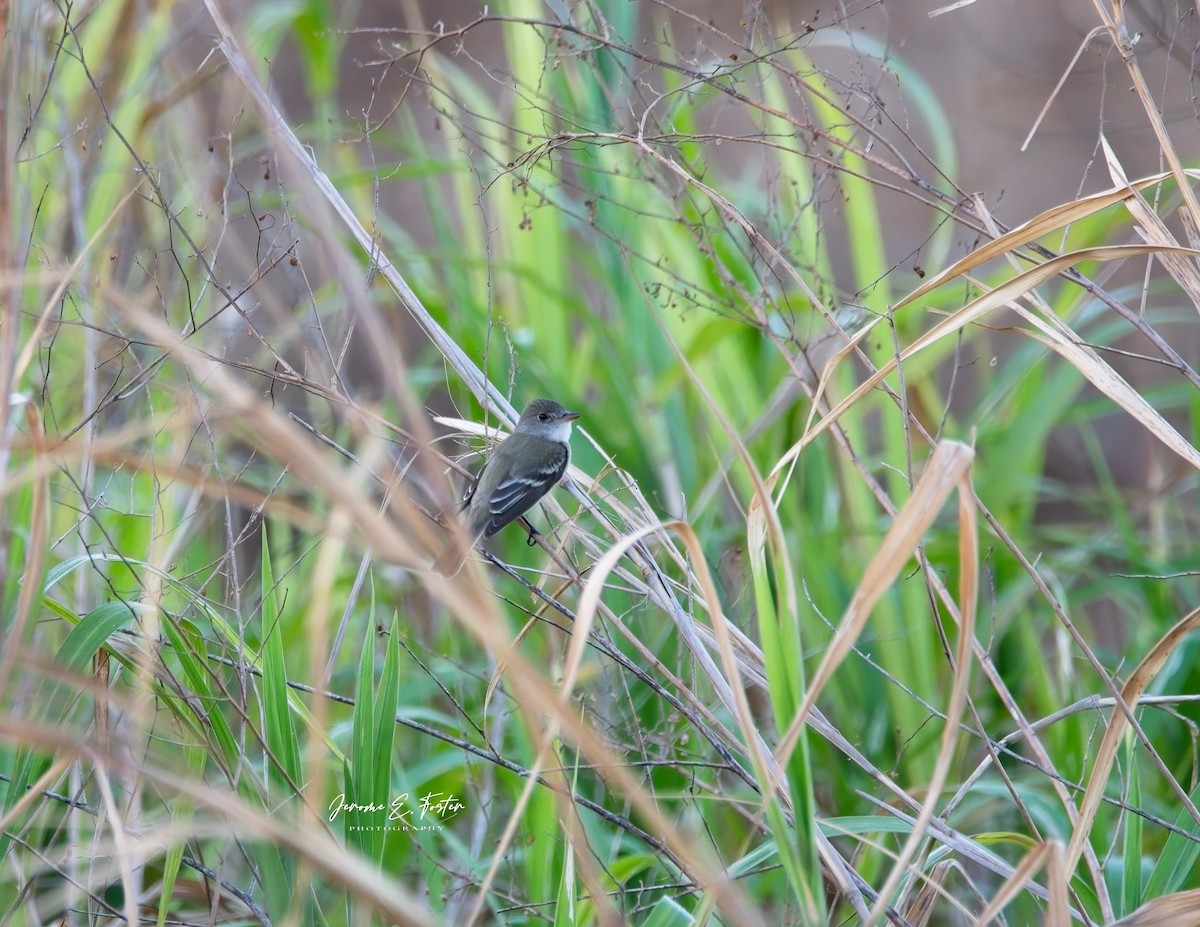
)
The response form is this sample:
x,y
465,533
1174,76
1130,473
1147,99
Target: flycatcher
x,y
526,466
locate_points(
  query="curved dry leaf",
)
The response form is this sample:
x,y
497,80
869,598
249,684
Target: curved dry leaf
x,y
1102,376
1181,909
947,470
1008,292
1052,220
1106,755
1154,230
951,467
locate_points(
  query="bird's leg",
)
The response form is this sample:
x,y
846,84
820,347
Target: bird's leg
x,y
533,534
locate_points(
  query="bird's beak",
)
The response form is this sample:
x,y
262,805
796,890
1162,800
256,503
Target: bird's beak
x,y
569,416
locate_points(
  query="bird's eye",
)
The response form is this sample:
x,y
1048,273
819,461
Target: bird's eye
x,y
544,416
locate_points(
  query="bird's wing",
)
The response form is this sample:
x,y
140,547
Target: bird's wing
x,y
516,495
466,499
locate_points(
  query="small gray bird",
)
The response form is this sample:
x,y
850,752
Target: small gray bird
x,y
525,467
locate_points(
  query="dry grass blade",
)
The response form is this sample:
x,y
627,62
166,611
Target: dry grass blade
x,y
1051,220
1154,230
949,468
1181,909
1087,40
1118,723
1044,854
314,846
729,686
946,471
34,793
39,526
726,890
1003,295
920,909
1114,21
1061,339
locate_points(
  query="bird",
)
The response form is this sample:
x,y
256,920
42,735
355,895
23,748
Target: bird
x,y
520,471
